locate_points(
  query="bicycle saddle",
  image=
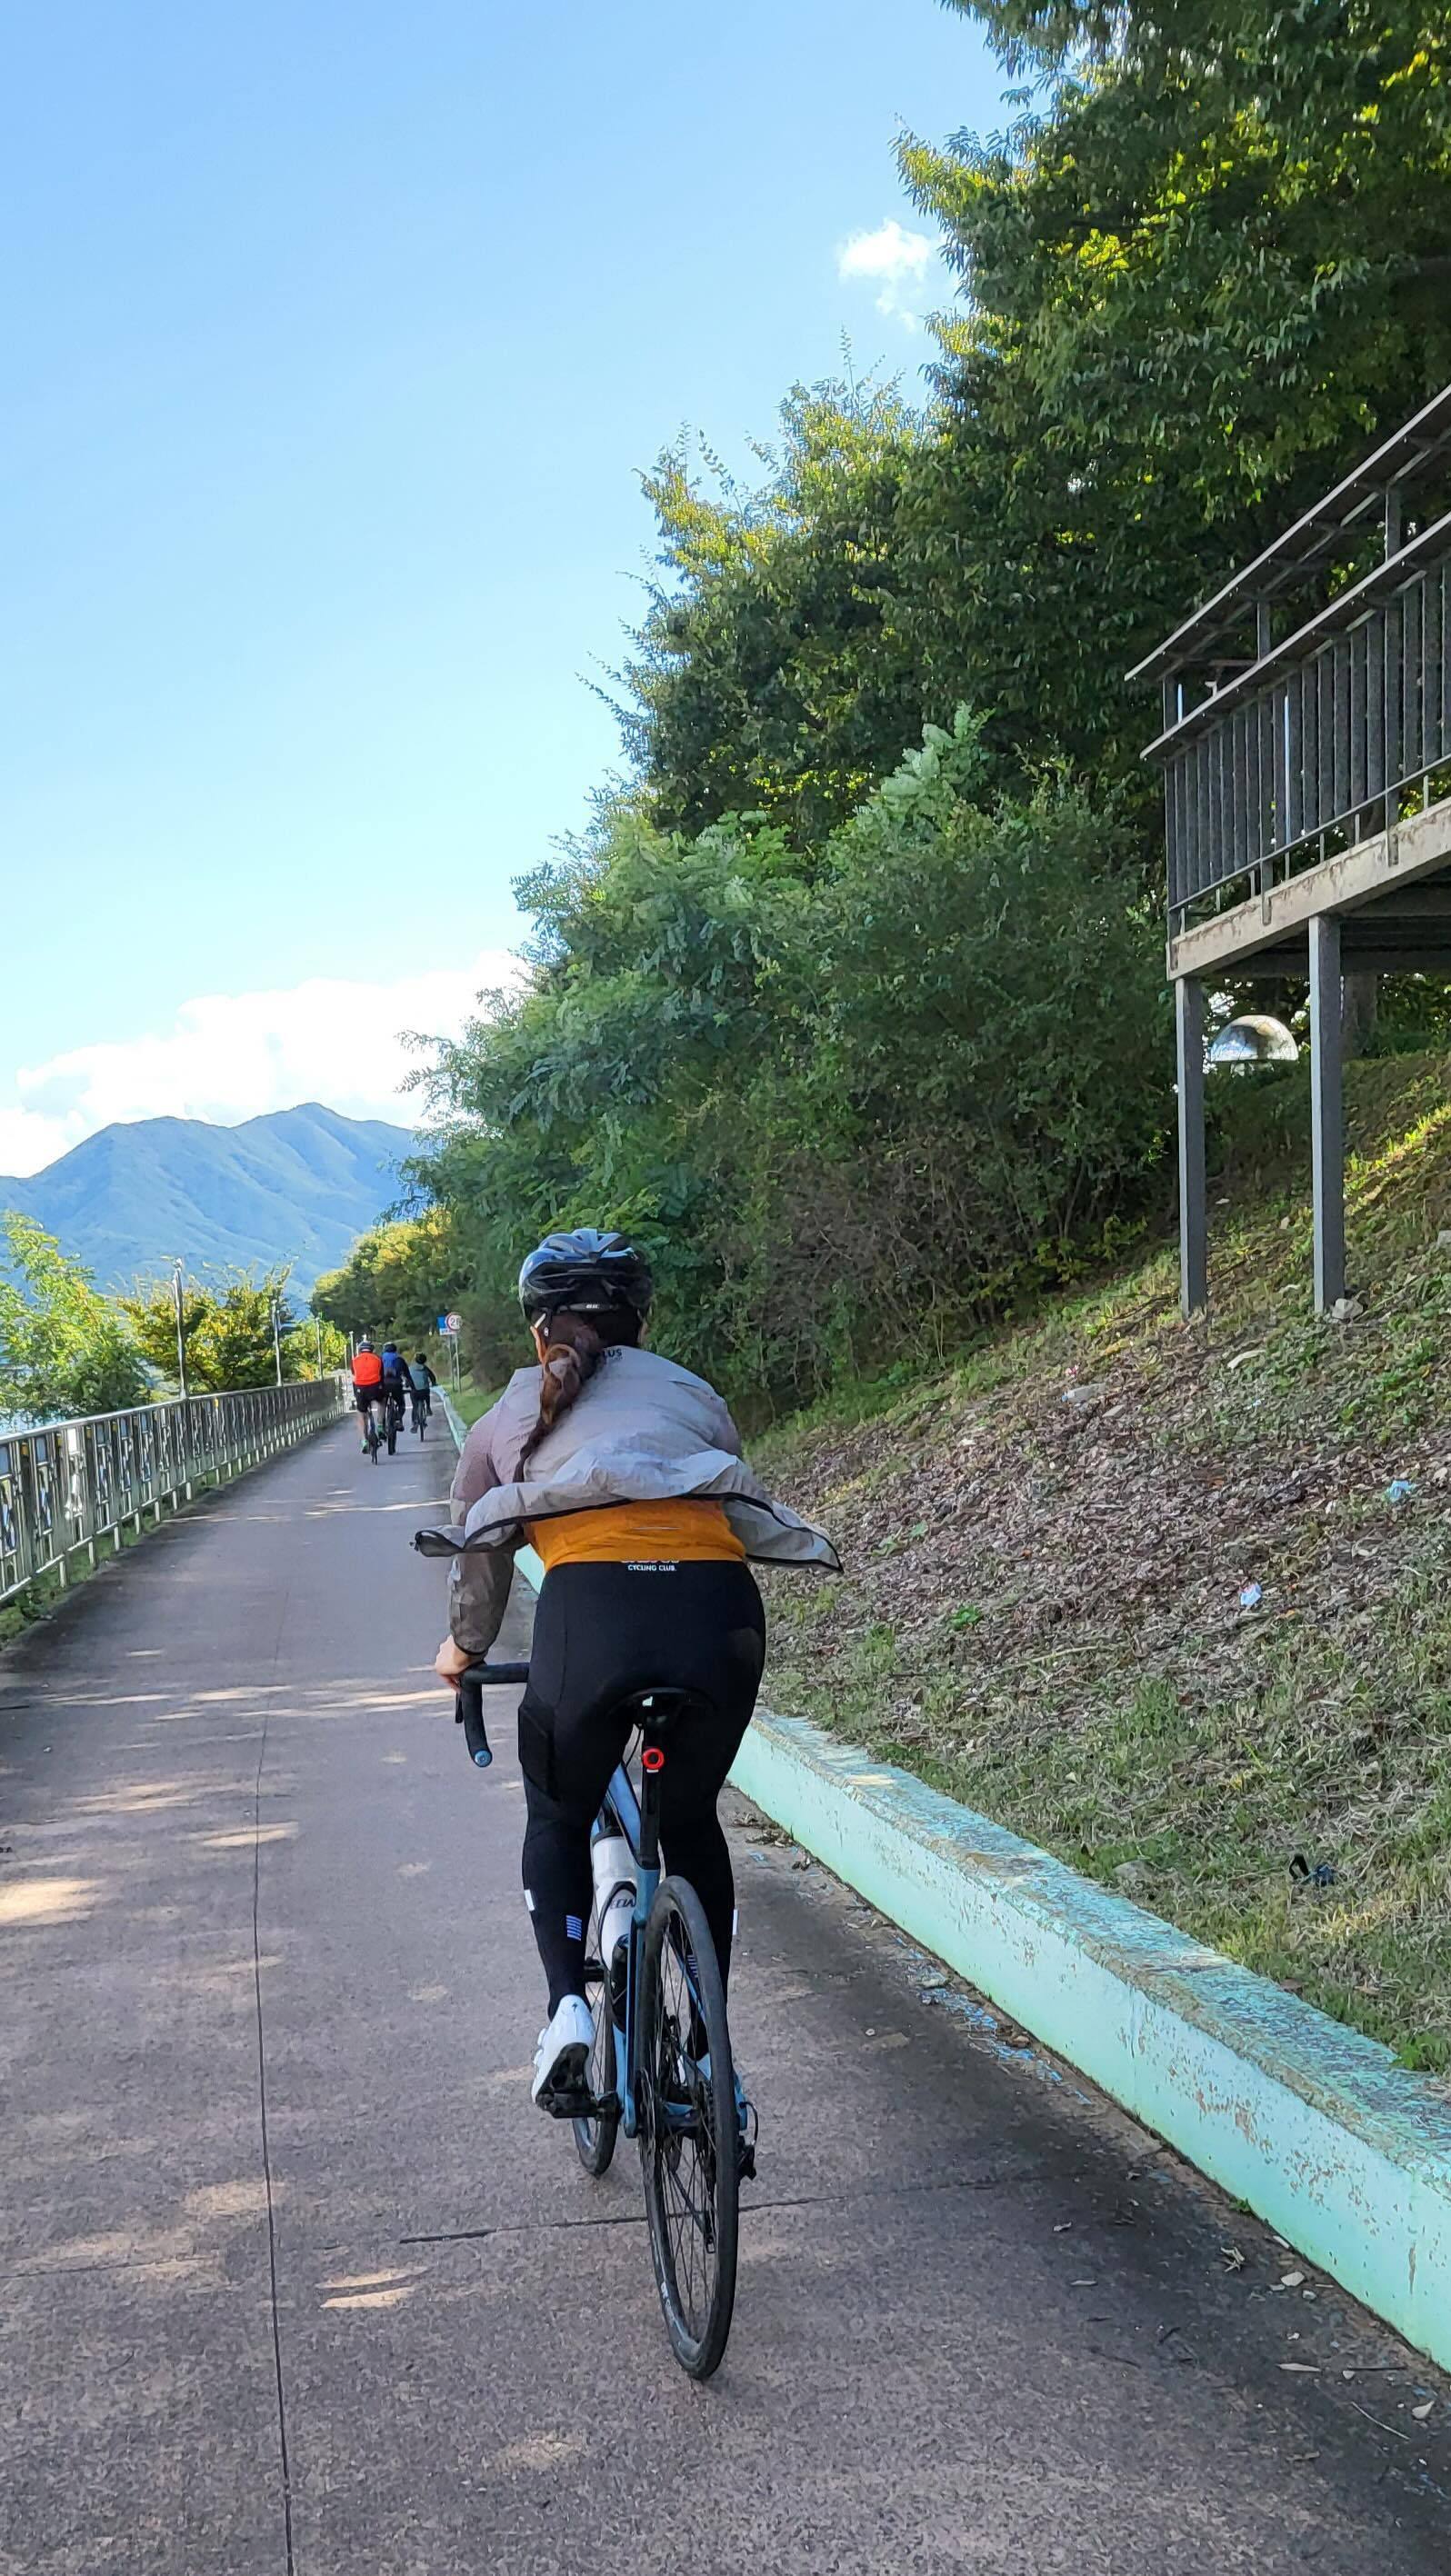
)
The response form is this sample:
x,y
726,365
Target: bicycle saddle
x,y
656,1710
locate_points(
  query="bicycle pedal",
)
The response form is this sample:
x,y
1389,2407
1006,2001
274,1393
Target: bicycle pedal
x,y
567,2102
746,2136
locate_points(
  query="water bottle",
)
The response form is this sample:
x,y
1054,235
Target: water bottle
x,y
614,1876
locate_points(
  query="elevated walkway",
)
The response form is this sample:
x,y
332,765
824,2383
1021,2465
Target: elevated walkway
x,y
1306,753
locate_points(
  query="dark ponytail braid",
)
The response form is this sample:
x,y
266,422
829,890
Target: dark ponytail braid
x,y
574,1346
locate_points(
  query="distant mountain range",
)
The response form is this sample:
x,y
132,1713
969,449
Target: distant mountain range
x,y
296,1186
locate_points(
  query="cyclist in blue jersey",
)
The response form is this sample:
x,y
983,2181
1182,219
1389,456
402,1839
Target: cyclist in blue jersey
x,y
397,1384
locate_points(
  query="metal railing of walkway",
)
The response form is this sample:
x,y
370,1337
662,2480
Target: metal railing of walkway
x,y
1278,751
76,1485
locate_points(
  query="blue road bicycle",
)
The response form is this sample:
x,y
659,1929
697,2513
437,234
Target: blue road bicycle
x,y
660,2067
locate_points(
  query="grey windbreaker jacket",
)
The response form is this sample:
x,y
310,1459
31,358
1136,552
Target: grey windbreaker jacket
x,y
641,1430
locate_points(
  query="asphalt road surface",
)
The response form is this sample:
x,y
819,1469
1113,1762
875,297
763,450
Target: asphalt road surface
x,y
297,2279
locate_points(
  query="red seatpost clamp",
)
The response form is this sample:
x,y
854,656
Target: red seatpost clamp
x,y
653,1758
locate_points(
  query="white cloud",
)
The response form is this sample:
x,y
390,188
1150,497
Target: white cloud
x,y
893,259
229,1056
27,1141
888,252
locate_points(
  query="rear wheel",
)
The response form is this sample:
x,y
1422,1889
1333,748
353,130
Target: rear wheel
x,y
688,2128
392,1429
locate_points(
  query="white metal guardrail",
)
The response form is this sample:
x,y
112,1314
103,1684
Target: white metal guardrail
x,y
65,1489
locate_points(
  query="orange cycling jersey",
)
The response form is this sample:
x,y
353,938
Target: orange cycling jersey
x,y
367,1369
676,1531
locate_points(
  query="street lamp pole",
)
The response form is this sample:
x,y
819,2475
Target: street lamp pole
x,y
180,1333
276,1341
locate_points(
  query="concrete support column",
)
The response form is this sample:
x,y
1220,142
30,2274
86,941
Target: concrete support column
x,y
1327,1121
1193,1193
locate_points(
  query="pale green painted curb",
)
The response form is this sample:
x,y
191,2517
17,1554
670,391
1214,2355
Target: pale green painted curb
x,y
1337,2147
1340,2149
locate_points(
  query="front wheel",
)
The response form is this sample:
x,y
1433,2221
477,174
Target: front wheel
x,y
688,2128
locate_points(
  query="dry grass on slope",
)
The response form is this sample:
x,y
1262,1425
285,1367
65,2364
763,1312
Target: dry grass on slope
x,y
1050,1606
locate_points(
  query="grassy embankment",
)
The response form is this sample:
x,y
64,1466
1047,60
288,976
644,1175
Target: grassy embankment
x,y
470,1400
1051,1547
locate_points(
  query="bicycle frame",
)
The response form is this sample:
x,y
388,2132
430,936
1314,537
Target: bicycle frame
x,y
638,1819
623,1809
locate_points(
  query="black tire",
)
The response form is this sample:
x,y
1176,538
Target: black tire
x,y
392,1430
595,2139
692,2186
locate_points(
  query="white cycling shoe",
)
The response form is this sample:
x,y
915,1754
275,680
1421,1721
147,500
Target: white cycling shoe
x,y
562,2056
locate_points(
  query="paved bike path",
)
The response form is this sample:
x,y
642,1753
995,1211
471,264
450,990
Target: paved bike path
x,y
342,2300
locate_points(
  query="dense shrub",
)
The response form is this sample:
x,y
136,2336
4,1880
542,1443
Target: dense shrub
x,y
844,1103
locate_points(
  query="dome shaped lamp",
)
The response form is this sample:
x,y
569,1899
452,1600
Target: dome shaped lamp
x,y
1251,1040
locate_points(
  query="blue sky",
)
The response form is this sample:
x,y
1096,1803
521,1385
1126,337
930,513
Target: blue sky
x,y
335,342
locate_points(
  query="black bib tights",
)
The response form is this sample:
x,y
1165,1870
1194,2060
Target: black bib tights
x,y
602,1632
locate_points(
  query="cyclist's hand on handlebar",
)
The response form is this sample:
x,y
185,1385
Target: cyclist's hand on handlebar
x,y
450,1661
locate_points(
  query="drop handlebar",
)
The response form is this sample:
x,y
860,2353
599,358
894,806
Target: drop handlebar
x,y
469,1707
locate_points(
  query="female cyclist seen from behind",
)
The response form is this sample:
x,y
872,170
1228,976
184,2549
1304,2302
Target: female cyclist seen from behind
x,y
624,1472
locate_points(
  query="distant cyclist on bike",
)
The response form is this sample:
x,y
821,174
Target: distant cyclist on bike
x,y
367,1382
397,1384
422,1381
624,1472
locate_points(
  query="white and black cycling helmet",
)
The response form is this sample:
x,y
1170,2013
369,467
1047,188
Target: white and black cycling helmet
x,y
584,1273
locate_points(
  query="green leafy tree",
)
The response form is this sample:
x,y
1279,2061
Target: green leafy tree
x,y
396,1282
1202,271
64,1347
770,671
987,1075
313,1349
609,1093
151,1312
835,1111
1205,265
1217,244
227,1328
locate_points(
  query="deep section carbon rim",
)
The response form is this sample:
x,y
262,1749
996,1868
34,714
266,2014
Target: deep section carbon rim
x,y
688,2128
